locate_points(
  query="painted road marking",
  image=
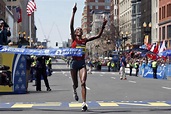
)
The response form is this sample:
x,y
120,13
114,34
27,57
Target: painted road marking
x,y
113,78
166,88
158,104
108,104
18,105
90,103
76,104
133,81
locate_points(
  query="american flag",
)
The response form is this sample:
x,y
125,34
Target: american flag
x,y
31,7
17,14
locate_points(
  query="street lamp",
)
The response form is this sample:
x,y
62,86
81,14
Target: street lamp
x,y
147,31
124,38
108,43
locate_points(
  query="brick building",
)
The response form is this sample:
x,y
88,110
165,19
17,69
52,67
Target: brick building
x,y
165,21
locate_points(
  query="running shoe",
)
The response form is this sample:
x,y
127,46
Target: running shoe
x,y
84,107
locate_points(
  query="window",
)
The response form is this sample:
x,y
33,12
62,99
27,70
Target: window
x,y
107,7
9,7
91,7
160,33
13,7
163,33
107,1
168,10
134,9
164,12
169,31
8,0
96,7
96,1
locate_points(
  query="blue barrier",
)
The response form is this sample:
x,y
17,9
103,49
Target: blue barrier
x,y
161,72
168,70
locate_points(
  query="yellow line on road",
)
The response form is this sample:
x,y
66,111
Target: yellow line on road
x,y
22,106
158,104
108,104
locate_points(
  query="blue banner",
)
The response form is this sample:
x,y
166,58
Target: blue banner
x,y
45,52
148,72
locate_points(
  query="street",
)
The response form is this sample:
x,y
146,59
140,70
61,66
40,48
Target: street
x,y
106,93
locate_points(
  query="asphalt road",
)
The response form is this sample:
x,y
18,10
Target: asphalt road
x,y
106,93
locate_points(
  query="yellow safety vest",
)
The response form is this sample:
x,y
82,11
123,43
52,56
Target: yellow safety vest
x,y
112,64
48,61
154,64
136,65
108,64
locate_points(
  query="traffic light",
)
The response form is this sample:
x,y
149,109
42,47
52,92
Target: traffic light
x,y
56,43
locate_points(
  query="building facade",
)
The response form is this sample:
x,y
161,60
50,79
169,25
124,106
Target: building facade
x,y
136,23
2,9
87,16
114,20
154,21
165,21
125,22
146,22
23,26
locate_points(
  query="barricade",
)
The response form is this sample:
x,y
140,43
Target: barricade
x,y
15,59
17,64
148,72
168,71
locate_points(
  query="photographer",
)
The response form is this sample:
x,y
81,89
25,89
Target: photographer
x,y
4,32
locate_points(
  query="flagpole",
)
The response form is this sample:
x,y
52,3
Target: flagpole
x,y
30,30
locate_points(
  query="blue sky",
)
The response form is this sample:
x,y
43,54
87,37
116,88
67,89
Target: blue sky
x,y
52,19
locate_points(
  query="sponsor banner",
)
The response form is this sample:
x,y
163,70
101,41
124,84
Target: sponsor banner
x,y
43,52
148,72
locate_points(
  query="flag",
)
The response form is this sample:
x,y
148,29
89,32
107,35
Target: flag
x,y
163,47
152,47
31,7
156,48
17,14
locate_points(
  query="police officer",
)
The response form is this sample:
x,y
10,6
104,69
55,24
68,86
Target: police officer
x,y
113,65
49,66
154,67
33,69
41,71
136,65
131,65
108,65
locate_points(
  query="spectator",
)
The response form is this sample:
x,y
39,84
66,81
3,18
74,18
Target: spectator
x,y
4,32
122,68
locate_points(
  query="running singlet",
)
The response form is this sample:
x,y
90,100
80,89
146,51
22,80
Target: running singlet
x,y
79,44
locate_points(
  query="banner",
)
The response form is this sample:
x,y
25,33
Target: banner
x,y
43,52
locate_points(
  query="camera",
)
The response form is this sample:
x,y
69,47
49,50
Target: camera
x,y
5,76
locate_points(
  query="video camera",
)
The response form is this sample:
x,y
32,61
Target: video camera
x,y
5,76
